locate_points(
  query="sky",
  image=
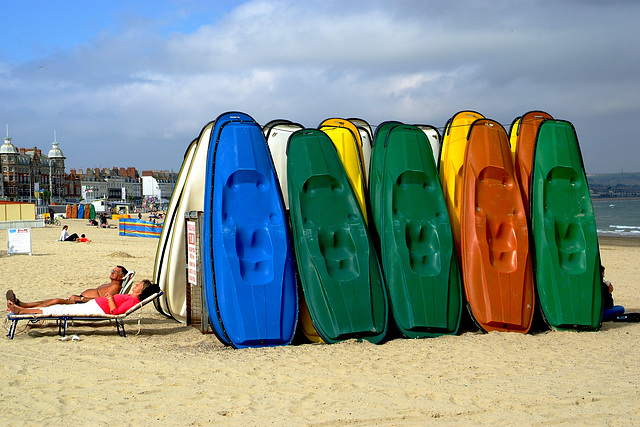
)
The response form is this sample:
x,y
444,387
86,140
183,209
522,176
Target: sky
x,y
132,83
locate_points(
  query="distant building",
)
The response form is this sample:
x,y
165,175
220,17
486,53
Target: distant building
x,y
116,184
27,174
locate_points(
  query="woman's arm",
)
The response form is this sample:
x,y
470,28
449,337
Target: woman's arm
x,y
123,303
111,302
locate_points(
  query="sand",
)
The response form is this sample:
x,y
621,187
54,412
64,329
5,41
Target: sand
x,y
174,375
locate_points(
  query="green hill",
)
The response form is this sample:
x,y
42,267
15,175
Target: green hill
x,y
614,179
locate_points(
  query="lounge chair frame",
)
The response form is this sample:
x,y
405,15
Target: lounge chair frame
x,y
63,320
127,282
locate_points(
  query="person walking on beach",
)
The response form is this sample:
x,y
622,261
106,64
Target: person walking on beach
x,y
108,304
65,237
112,288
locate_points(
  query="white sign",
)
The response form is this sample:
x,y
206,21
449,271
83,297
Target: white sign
x,y
19,241
191,253
84,191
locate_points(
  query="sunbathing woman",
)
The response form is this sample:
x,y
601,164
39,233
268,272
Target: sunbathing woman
x,y
109,304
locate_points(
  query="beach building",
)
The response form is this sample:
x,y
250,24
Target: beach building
x,y
28,175
157,187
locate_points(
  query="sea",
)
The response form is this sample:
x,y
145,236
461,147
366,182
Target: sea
x,y
617,217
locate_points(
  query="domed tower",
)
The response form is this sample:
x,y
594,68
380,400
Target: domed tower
x,y
56,171
8,147
8,157
55,152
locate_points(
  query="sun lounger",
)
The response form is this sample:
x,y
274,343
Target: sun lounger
x,y
13,319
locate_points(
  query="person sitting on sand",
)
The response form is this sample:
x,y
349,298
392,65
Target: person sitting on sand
x,y
65,237
83,239
108,304
103,221
610,311
112,288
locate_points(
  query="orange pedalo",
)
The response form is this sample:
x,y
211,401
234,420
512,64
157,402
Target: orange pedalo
x,y
496,263
526,134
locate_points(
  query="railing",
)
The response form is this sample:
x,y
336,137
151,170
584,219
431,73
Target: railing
x,y
25,223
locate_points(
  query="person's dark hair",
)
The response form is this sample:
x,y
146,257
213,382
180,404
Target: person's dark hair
x,y
124,270
82,236
148,289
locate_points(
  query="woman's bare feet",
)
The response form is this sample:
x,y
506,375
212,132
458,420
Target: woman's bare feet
x,y
15,309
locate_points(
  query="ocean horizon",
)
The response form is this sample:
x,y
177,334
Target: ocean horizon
x,y
617,217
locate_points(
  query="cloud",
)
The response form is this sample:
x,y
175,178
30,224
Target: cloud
x,y
139,89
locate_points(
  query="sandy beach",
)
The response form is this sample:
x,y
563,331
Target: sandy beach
x,y
172,374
